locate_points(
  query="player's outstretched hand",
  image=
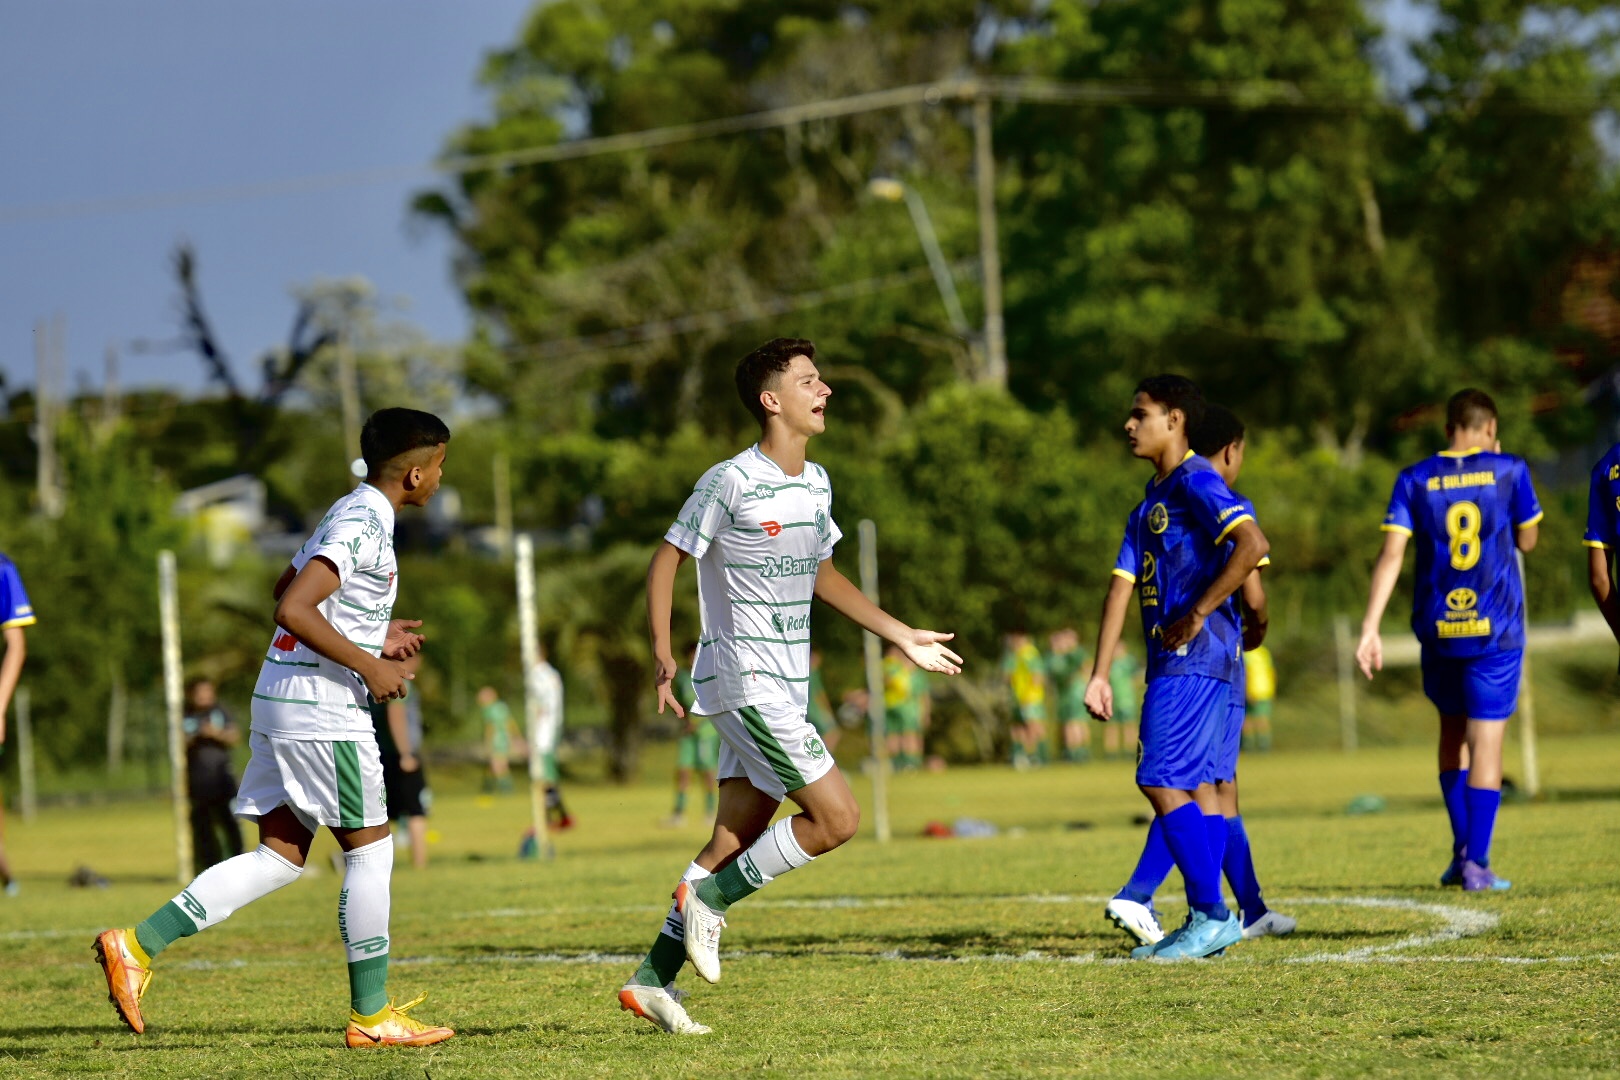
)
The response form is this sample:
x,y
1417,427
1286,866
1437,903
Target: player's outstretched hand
x,y
926,649
664,675
401,643
1182,631
389,679
1370,653
1100,698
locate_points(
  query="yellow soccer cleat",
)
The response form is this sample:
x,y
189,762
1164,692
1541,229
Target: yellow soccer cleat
x,y
127,976
392,1027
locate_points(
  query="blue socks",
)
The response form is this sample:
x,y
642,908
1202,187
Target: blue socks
x,y
1482,807
1453,789
1215,830
1151,869
1188,840
1239,866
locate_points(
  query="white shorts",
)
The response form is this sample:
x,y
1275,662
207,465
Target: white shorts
x,y
336,784
773,745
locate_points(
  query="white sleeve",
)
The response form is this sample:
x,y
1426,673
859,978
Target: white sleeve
x,y
352,542
834,534
707,512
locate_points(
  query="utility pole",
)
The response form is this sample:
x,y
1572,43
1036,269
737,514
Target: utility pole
x,y
503,503
349,397
112,401
984,170
48,345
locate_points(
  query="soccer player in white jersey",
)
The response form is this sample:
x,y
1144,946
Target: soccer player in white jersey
x,y
315,759
760,527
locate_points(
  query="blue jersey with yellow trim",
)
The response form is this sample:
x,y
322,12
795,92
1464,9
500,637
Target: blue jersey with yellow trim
x,y
1462,509
1232,610
1603,503
1175,546
15,610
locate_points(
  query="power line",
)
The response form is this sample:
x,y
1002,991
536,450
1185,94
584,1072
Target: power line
x,y
1259,95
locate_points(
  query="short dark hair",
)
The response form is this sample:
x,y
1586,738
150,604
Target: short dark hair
x,y
1219,429
756,370
1469,409
1176,392
392,433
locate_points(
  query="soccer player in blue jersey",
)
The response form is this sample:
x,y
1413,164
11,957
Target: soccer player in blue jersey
x,y
1177,558
1469,509
1603,535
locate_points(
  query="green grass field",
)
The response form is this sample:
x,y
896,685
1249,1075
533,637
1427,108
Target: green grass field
x,y
922,957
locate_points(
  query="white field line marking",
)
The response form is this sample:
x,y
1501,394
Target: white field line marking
x,y
1456,923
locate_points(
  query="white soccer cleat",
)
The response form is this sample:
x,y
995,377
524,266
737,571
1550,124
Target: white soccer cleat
x,y
701,926
1137,920
661,1006
1271,924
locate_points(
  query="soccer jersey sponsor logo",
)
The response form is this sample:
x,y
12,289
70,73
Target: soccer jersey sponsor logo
x,y
1462,599
785,623
785,566
1229,511
285,642
762,491
1158,518
772,528
1473,627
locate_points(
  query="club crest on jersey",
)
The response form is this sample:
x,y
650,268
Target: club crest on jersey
x,y
1158,519
1462,599
814,747
821,523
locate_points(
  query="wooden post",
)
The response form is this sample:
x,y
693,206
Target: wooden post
x,y
27,799
169,616
503,504
529,652
117,718
1345,649
876,723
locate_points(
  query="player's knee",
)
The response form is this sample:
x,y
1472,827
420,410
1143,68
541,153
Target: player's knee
x,y
839,824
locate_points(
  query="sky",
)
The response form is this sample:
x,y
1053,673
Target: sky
x,y
104,102
108,99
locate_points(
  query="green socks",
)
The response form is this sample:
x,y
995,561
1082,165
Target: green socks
x,y
662,964
719,891
163,928
368,985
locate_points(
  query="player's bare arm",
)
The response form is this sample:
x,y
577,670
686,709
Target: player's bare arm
x,y
1386,572
925,648
1249,546
660,600
1099,691
1525,537
1255,616
11,671
1599,578
298,613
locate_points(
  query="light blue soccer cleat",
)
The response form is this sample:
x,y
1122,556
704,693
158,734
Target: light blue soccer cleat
x,y
1146,952
1201,937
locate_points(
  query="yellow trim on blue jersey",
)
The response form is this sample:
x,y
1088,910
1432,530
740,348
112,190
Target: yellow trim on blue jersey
x,y
1584,543
1533,521
1461,453
1265,560
1390,526
1156,481
1126,574
1234,523
26,620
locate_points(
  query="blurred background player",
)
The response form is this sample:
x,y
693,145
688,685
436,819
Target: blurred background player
x,y
210,733
1260,686
16,612
1125,680
1603,536
1025,677
698,751
497,717
398,725
1065,668
1176,557
1471,509
820,713
545,694
908,708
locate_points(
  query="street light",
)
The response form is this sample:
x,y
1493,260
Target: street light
x,y
892,190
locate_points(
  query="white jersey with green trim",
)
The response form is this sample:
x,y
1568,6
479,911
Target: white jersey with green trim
x,y
301,694
758,536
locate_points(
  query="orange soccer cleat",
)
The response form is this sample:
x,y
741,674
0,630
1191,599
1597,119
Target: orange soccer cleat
x,y
127,978
392,1027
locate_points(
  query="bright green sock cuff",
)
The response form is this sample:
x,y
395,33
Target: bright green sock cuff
x,y
163,928
368,984
721,890
663,963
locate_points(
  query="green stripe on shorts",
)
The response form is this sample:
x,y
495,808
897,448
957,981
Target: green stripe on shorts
x,y
781,764
351,796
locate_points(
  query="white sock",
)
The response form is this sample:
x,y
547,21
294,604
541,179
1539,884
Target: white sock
x,y
219,891
363,903
672,922
775,853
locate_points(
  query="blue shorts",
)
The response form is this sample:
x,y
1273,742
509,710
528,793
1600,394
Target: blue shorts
x,y
1183,717
1230,740
1478,687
